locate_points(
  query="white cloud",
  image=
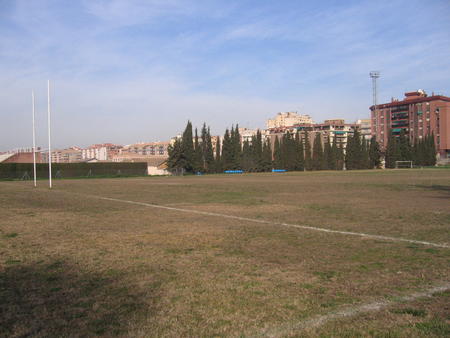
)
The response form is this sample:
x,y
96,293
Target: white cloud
x,y
120,76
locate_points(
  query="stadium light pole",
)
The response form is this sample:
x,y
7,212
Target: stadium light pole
x,y
49,138
34,141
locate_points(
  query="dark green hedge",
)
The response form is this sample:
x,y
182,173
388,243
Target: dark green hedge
x,y
67,170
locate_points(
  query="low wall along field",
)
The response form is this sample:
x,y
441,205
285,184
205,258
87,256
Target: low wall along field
x,y
306,254
71,170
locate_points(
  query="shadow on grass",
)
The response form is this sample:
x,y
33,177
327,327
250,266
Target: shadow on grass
x,y
57,299
436,187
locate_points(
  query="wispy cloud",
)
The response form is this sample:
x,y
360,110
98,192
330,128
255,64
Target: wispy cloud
x,y
126,61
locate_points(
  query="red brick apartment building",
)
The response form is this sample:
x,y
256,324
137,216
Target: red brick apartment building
x,y
418,115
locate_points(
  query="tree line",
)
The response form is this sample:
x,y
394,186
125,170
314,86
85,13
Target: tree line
x,y
421,152
293,152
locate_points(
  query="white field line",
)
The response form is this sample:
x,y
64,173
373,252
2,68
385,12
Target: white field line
x,y
305,227
350,311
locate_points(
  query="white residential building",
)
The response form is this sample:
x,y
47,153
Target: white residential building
x,y
100,153
288,119
365,128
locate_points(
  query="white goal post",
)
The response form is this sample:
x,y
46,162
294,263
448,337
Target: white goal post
x,y
403,164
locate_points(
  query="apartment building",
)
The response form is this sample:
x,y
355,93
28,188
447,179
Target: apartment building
x,y
247,134
69,155
100,152
335,130
288,119
365,128
418,115
147,148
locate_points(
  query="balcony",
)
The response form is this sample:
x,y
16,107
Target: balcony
x,y
399,115
399,123
400,108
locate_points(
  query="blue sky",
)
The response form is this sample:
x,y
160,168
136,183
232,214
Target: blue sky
x,y
126,71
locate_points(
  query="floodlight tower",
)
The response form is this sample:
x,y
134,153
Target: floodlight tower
x,y
374,75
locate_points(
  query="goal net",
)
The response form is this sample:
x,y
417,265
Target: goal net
x,y
403,164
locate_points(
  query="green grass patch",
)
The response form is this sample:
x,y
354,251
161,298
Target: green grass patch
x,y
326,275
410,311
11,235
434,327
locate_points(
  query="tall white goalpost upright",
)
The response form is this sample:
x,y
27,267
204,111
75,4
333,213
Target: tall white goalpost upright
x,y
49,138
34,141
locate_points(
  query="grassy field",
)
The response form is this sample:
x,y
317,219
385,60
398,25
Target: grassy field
x,y
73,264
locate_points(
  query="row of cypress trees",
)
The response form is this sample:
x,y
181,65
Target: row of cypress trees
x,y
421,153
361,153
191,155
291,152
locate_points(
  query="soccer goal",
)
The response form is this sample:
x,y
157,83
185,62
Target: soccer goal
x,y
403,164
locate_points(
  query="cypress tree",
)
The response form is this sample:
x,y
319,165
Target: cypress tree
x,y
246,158
176,159
333,155
237,147
197,165
358,147
416,157
340,158
232,147
187,148
349,153
277,157
203,146
209,152
227,160
421,152
257,147
308,159
292,153
424,151
327,156
232,152
374,154
218,160
392,153
267,156
284,152
404,147
365,159
317,155
433,150
300,155
354,157
430,150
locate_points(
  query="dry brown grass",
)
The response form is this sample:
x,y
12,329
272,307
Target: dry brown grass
x,y
71,264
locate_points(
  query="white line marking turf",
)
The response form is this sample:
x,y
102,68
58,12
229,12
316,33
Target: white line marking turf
x,y
305,227
319,320
350,311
